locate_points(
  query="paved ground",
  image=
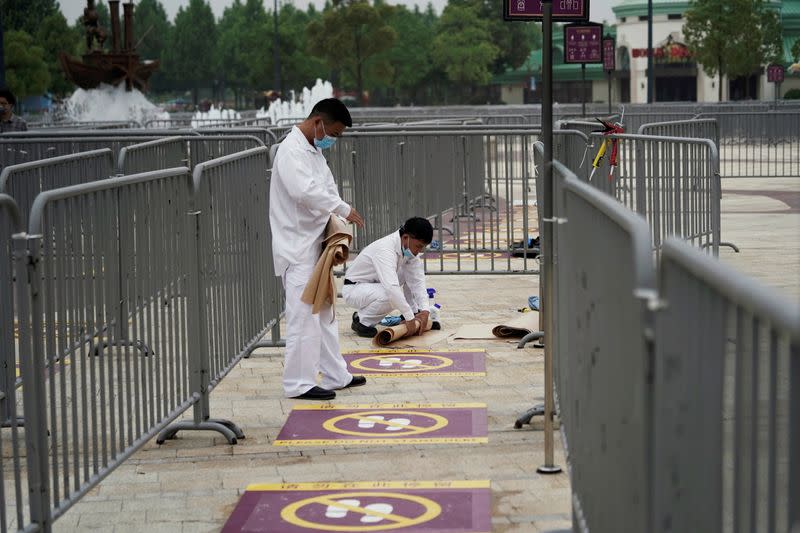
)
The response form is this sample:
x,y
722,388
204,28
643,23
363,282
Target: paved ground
x,y
193,483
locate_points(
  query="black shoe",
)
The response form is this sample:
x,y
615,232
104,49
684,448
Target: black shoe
x,y
357,381
316,393
362,330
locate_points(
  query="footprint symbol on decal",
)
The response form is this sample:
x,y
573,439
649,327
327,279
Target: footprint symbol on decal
x,y
408,363
335,511
397,423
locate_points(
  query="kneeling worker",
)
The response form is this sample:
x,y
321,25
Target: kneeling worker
x,y
389,274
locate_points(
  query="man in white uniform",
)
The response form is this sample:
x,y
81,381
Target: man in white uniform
x,y
302,197
389,274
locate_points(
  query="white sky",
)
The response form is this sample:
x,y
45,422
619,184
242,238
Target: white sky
x,y
72,9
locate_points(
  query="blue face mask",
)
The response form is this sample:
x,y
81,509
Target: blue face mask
x,y
326,142
407,253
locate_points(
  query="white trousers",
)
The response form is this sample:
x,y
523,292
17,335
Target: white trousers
x,y
372,301
312,341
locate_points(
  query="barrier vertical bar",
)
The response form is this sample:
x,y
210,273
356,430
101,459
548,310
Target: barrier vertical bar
x,y
29,302
794,441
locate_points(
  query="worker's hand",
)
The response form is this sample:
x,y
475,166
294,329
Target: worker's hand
x,y
355,217
412,326
423,317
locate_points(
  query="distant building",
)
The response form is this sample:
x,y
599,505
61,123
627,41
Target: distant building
x,y
677,76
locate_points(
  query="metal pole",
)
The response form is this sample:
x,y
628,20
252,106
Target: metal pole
x,y
277,52
583,89
650,78
547,235
609,92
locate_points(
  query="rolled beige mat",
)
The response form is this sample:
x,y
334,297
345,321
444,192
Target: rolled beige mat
x,y
519,327
394,333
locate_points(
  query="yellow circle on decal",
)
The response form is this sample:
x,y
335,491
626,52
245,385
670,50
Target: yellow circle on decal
x,y
402,431
444,362
432,510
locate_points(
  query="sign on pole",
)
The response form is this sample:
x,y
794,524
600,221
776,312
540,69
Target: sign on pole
x,y
609,53
563,10
775,73
583,43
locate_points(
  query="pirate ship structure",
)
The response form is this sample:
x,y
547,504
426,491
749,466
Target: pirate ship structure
x,y
120,65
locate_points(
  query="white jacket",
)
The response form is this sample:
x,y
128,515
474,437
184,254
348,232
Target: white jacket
x,y
302,195
382,262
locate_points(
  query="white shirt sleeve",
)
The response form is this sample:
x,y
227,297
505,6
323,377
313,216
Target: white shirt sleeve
x,y
307,189
415,279
385,262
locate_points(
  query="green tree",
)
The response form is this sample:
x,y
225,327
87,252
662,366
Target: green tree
x,y
191,53
796,50
514,40
732,38
298,67
55,36
152,30
26,15
243,46
463,47
410,56
26,69
350,38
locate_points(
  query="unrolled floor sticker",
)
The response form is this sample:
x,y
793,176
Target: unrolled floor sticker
x,y
416,363
330,425
403,506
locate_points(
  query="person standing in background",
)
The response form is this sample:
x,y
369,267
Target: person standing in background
x,y
8,120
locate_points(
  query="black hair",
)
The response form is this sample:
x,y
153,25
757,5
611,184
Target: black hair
x,y
332,110
8,95
418,228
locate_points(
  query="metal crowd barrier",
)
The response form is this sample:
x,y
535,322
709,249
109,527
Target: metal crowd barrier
x,y
108,340
696,128
237,301
759,144
14,486
604,266
14,151
673,182
683,395
134,297
473,184
181,151
262,133
191,122
168,152
726,415
24,181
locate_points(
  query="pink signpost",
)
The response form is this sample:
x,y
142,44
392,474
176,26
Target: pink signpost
x,y
609,62
775,75
583,43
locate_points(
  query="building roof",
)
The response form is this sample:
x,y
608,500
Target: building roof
x,y
635,8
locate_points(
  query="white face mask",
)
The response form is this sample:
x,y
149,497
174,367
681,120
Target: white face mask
x,y
326,142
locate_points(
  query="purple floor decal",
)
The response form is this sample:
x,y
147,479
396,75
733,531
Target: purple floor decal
x,y
327,425
403,506
416,363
